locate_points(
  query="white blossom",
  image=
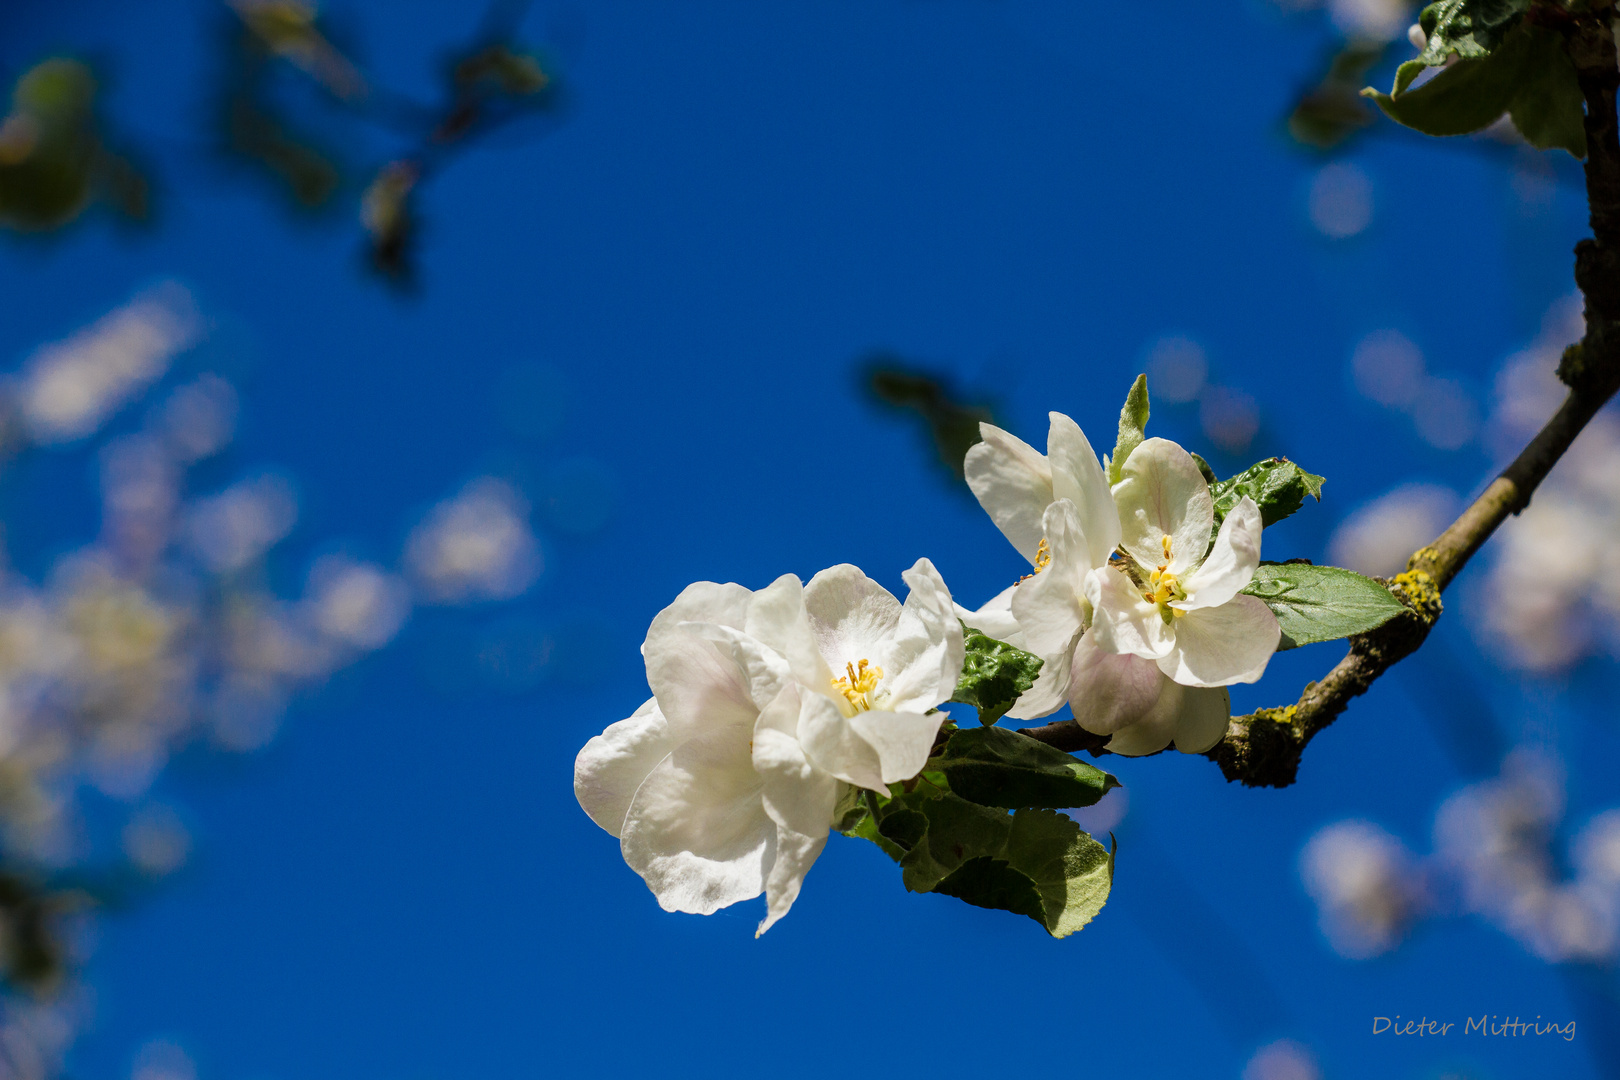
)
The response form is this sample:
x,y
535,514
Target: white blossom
x,y
723,785
1059,512
1182,606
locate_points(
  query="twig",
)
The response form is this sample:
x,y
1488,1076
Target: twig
x,y
1263,748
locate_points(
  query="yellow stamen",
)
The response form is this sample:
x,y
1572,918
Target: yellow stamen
x,y
1043,559
857,687
1166,544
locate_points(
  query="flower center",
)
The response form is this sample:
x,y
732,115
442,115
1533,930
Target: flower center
x,y
857,687
1162,586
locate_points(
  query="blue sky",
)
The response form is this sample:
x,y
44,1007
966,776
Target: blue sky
x,y
744,200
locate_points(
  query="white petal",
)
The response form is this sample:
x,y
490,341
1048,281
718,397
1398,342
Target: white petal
x,y
795,854
798,795
1231,562
777,618
902,739
799,798
923,660
1161,493
763,669
613,764
995,618
1051,687
1222,645
1051,606
1203,720
833,746
1111,691
1013,482
870,749
851,616
1122,620
698,687
697,831
1078,476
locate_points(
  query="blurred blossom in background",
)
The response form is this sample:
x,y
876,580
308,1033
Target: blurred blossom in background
x,y
1551,596
1364,885
1178,374
475,546
1378,537
1495,856
1389,369
1282,1060
1340,203
161,631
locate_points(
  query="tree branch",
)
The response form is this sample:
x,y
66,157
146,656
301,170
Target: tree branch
x,y
1263,748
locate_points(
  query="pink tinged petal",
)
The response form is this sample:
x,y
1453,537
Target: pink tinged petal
x,y
1051,606
1223,645
1231,562
1013,482
833,746
1205,712
995,618
777,618
902,740
698,687
1110,692
851,616
1051,687
1162,494
697,831
1121,619
795,854
612,765
1078,476
1153,732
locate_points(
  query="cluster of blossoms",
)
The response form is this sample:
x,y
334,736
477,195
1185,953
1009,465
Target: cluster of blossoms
x,y
772,710
1493,857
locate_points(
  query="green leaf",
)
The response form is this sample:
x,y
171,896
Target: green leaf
x,y
1133,420
1321,603
993,675
997,767
1037,863
1549,110
1522,71
1277,486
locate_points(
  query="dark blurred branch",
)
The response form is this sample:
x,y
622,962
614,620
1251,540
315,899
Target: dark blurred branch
x,y
1263,749
952,425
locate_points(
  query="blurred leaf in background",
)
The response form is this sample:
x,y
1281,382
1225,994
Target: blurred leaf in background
x,y
950,419
53,160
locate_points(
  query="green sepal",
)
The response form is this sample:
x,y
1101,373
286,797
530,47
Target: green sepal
x,y
1133,420
1523,72
993,675
1277,486
1204,469
1037,863
997,767
1321,603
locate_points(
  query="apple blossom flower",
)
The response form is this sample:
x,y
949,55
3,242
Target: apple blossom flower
x,y
1059,512
724,784
1177,601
